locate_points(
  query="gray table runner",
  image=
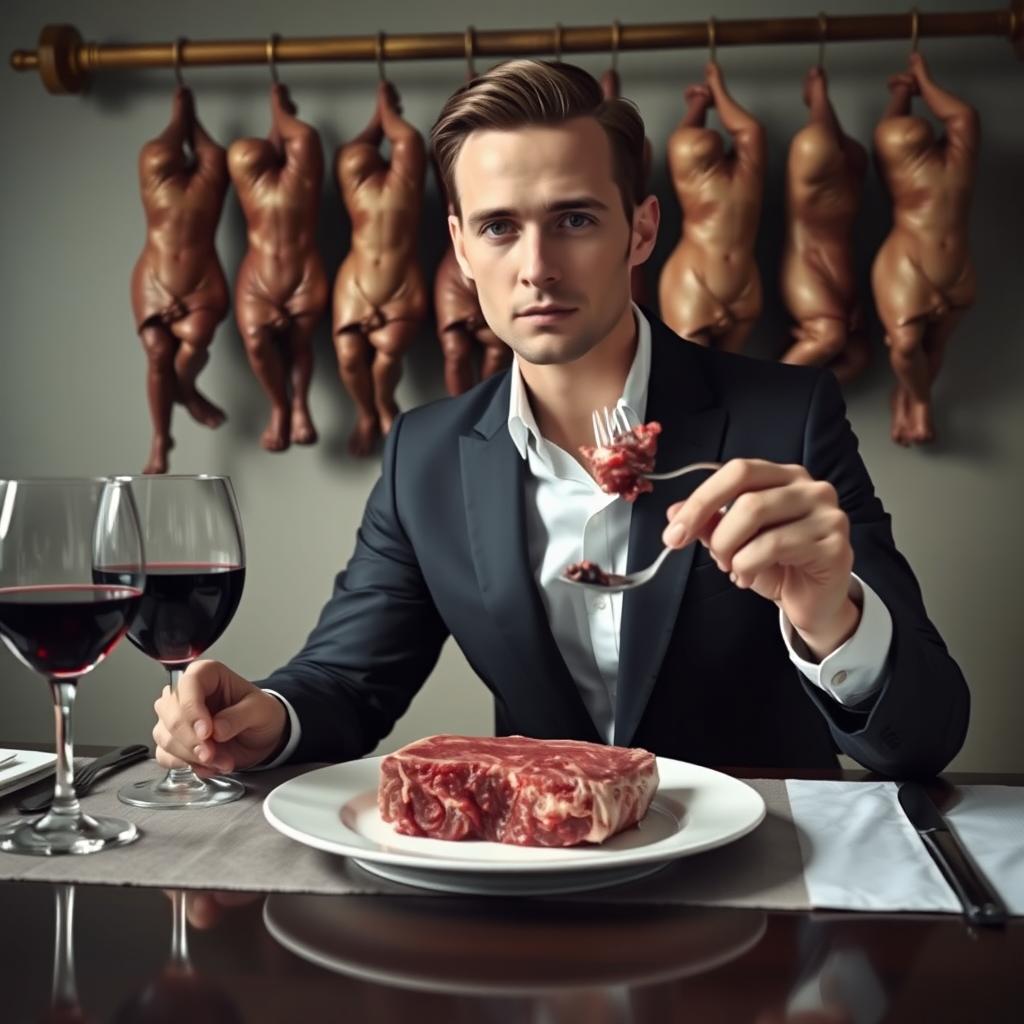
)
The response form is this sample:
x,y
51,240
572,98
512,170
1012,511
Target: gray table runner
x,y
234,847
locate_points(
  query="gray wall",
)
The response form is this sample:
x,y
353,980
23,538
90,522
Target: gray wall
x,y
71,374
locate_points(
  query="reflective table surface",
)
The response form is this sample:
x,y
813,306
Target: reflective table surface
x,y
104,953
122,954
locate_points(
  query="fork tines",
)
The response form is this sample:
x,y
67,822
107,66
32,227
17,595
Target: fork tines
x,y
609,425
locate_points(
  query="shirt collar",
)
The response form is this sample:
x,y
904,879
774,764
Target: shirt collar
x,y
521,424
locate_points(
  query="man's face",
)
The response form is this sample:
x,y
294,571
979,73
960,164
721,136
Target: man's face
x,y
544,236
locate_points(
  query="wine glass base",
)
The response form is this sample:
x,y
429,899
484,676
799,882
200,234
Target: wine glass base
x,y
165,793
85,834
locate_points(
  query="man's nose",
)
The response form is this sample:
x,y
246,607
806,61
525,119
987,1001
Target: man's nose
x,y
538,267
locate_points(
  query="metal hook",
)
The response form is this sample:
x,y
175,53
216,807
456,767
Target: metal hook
x,y
558,42
822,36
712,40
176,57
914,27
380,56
616,42
470,39
271,59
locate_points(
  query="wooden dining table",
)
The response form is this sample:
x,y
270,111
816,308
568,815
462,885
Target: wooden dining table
x,y
128,953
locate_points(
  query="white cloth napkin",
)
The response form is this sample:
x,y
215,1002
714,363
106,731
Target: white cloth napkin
x,y
26,766
861,853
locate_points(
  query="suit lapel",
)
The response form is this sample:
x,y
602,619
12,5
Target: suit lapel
x,y
679,398
547,701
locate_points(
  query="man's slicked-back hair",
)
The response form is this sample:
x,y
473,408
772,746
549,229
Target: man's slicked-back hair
x,y
520,93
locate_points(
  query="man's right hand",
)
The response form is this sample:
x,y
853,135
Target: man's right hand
x,y
216,721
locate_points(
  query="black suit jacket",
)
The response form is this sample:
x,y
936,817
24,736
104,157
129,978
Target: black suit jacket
x,y
704,675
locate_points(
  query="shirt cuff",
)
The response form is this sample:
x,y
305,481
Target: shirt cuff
x,y
293,739
856,669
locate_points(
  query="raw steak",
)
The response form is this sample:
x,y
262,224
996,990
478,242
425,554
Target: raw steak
x,y
618,468
586,572
515,790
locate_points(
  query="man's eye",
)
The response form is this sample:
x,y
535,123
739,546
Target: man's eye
x,y
496,228
577,220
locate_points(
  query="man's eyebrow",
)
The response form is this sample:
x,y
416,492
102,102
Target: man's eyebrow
x,y
562,205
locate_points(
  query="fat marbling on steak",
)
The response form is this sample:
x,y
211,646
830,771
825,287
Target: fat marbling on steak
x,y
620,467
512,789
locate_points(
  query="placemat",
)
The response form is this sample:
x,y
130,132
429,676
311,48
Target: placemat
x,y
233,847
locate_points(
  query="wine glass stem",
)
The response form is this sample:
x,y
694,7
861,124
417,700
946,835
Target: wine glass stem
x,y
178,776
64,992
65,803
179,931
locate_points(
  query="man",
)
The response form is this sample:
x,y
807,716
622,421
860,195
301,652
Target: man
x,y
549,217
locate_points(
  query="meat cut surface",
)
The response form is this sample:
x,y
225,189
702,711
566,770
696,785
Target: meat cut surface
x,y
619,467
515,790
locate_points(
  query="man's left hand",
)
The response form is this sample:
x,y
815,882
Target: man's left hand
x,y
781,533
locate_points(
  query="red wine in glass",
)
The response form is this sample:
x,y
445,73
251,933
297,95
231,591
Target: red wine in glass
x,y
195,574
56,617
62,631
184,609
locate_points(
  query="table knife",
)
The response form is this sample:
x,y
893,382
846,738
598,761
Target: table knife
x,y
980,901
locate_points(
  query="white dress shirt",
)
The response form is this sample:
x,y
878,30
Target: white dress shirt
x,y
569,519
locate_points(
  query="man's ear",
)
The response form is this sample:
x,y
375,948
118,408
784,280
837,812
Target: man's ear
x,y
646,218
458,244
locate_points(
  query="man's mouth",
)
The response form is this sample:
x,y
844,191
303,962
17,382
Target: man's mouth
x,y
546,311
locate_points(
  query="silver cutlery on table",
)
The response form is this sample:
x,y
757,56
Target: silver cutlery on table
x,y
86,776
980,901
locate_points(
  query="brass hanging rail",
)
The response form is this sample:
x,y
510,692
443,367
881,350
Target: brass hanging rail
x,y
66,63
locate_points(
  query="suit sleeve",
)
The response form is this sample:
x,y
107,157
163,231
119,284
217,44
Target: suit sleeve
x,y
377,639
916,723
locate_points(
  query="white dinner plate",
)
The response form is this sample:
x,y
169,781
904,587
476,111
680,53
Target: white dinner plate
x,y
335,809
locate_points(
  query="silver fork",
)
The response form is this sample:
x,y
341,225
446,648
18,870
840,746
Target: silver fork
x,y
609,425
617,584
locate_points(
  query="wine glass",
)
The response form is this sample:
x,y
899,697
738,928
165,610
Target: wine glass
x,y
195,571
179,992
64,1005
71,577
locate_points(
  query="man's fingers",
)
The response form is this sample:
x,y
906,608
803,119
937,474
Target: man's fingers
x,y
249,713
185,718
722,488
172,748
165,760
795,544
200,681
755,512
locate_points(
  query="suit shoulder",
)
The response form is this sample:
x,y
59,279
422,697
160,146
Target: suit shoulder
x,y
444,419
746,376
